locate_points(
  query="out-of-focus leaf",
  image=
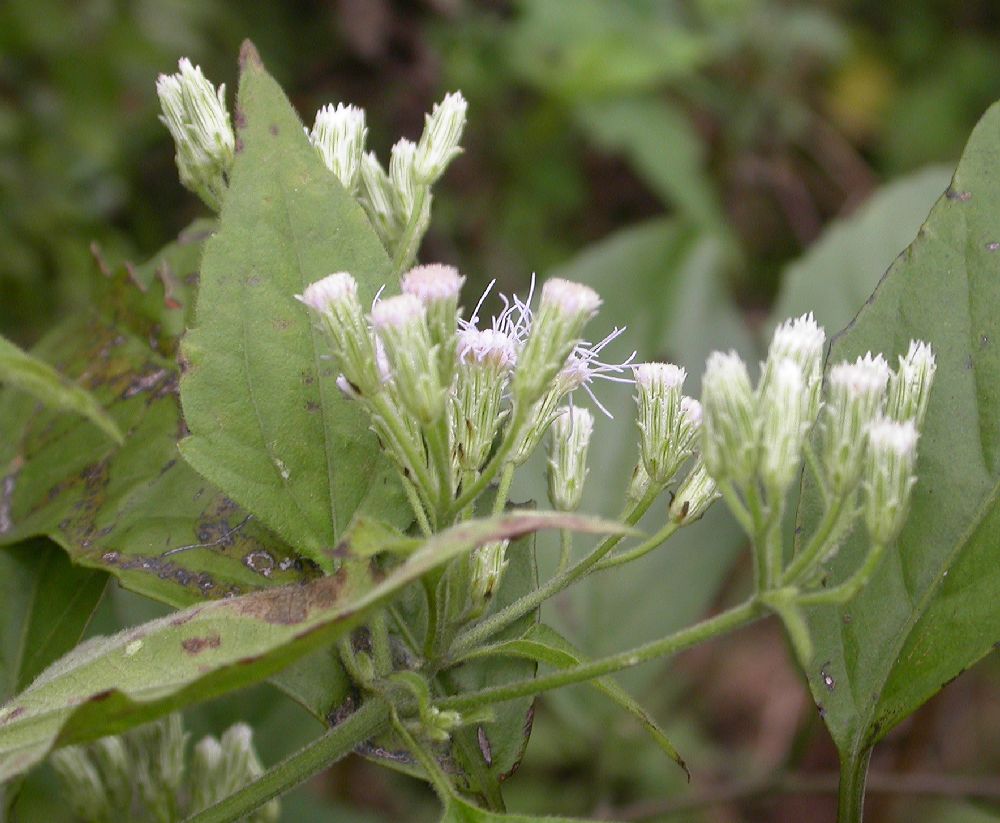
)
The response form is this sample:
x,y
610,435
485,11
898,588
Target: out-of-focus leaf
x,y
838,273
41,381
930,611
109,684
136,510
581,48
47,603
662,146
267,422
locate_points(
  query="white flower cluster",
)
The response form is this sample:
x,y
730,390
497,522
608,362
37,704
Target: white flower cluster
x,y
449,395
398,201
754,439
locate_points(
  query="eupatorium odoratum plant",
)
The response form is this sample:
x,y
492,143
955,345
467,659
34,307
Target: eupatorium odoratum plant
x,y
306,441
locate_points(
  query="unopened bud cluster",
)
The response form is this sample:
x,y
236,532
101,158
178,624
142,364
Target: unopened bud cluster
x,y
868,422
145,774
396,201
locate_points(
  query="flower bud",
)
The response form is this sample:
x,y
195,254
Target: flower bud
x,y
568,444
438,145
82,783
195,114
488,565
910,385
403,179
667,421
856,397
564,310
401,324
339,136
485,360
888,469
638,484
695,495
334,299
800,340
377,199
220,768
730,428
783,402
437,286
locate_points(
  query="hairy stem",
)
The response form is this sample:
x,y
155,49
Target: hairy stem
x,y
722,623
481,632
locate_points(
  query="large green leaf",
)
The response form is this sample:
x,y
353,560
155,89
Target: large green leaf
x,y
47,603
41,381
136,510
838,272
931,609
268,424
111,683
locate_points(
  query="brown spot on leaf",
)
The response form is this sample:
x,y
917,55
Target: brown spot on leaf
x,y
274,129
249,56
289,605
961,196
196,645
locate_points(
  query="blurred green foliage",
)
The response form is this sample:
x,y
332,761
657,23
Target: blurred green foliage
x,y
680,155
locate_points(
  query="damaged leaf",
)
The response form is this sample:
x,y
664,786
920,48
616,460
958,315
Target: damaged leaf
x,y
135,510
109,684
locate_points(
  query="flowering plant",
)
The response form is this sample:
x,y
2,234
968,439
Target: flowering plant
x,y
350,437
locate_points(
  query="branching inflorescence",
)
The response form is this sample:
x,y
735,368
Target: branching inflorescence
x,y
459,404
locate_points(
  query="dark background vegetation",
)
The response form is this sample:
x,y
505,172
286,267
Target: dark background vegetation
x,y
740,127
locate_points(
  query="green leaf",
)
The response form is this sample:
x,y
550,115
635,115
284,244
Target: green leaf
x,y
138,510
545,645
44,383
493,750
837,273
930,610
47,603
111,683
590,48
268,424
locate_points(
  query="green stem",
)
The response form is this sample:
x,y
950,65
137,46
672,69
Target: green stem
x,y
389,415
503,488
378,626
759,536
565,550
435,775
851,796
409,242
736,506
773,549
477,634
805,559
672,644
813,462
436,436
642,549
417,506
367,722
498,461
850,587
